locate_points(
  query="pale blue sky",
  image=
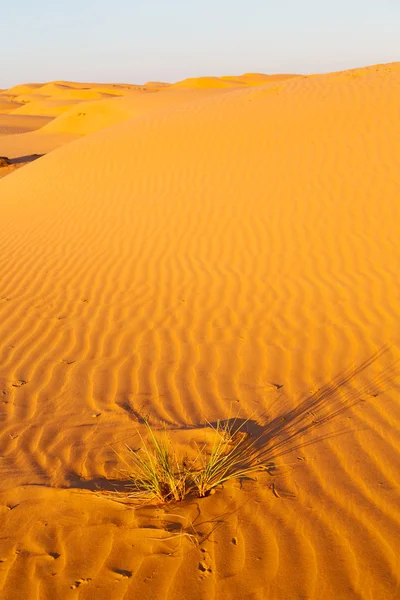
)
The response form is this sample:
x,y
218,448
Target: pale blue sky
x,y
139,40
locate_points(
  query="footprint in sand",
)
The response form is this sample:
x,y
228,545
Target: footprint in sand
x,y
80,582
122,573
203,566
19,383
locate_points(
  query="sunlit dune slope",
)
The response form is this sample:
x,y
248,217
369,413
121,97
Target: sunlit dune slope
x,y
63,91
109,88
31,106
153,85
89,117
51,99
248,79
61,98
205,82
31,141
17,90
31,98
77,118
237,252
255,79
46,107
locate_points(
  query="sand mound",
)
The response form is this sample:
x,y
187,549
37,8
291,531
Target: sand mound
x,y
33,142
238,252
9,165
228,81
205,82
152,85
7,106
13,124
18,90
27,98
116,89
55,90
111,87
89,117
46,107
253,79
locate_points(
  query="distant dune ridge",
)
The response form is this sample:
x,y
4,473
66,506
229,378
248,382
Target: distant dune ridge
x,y
190,252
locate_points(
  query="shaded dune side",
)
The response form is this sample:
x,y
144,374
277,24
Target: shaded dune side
x,y
35,142
7,106
188,262
15,124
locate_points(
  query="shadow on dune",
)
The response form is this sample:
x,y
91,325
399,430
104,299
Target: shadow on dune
x,y
25,159
19,160
286,429
98,483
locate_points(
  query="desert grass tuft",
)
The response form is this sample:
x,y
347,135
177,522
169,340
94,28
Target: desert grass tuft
x,y
156,474
233,456
154,470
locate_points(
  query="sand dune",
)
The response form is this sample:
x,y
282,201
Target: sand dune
x,y
7,106
110,88
89,117
13,123
232,252
206,82
248,79
82,118
46,107
34,142
53,99
60,91
258,78
86,108
25,109
31,98
17,90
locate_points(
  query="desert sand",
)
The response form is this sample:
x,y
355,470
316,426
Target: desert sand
x,y
187,253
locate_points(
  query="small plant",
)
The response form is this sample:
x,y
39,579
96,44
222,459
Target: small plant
x,y
232,456
157,474
155,471
4,161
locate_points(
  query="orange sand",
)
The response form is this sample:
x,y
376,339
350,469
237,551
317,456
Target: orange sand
x,y
214,252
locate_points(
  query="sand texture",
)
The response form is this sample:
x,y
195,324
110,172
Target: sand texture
x,y
190,253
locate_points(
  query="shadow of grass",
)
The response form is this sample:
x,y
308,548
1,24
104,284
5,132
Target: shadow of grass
x,y
25,159
289,429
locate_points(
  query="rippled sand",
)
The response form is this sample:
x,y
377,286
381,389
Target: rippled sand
x,y
194,252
